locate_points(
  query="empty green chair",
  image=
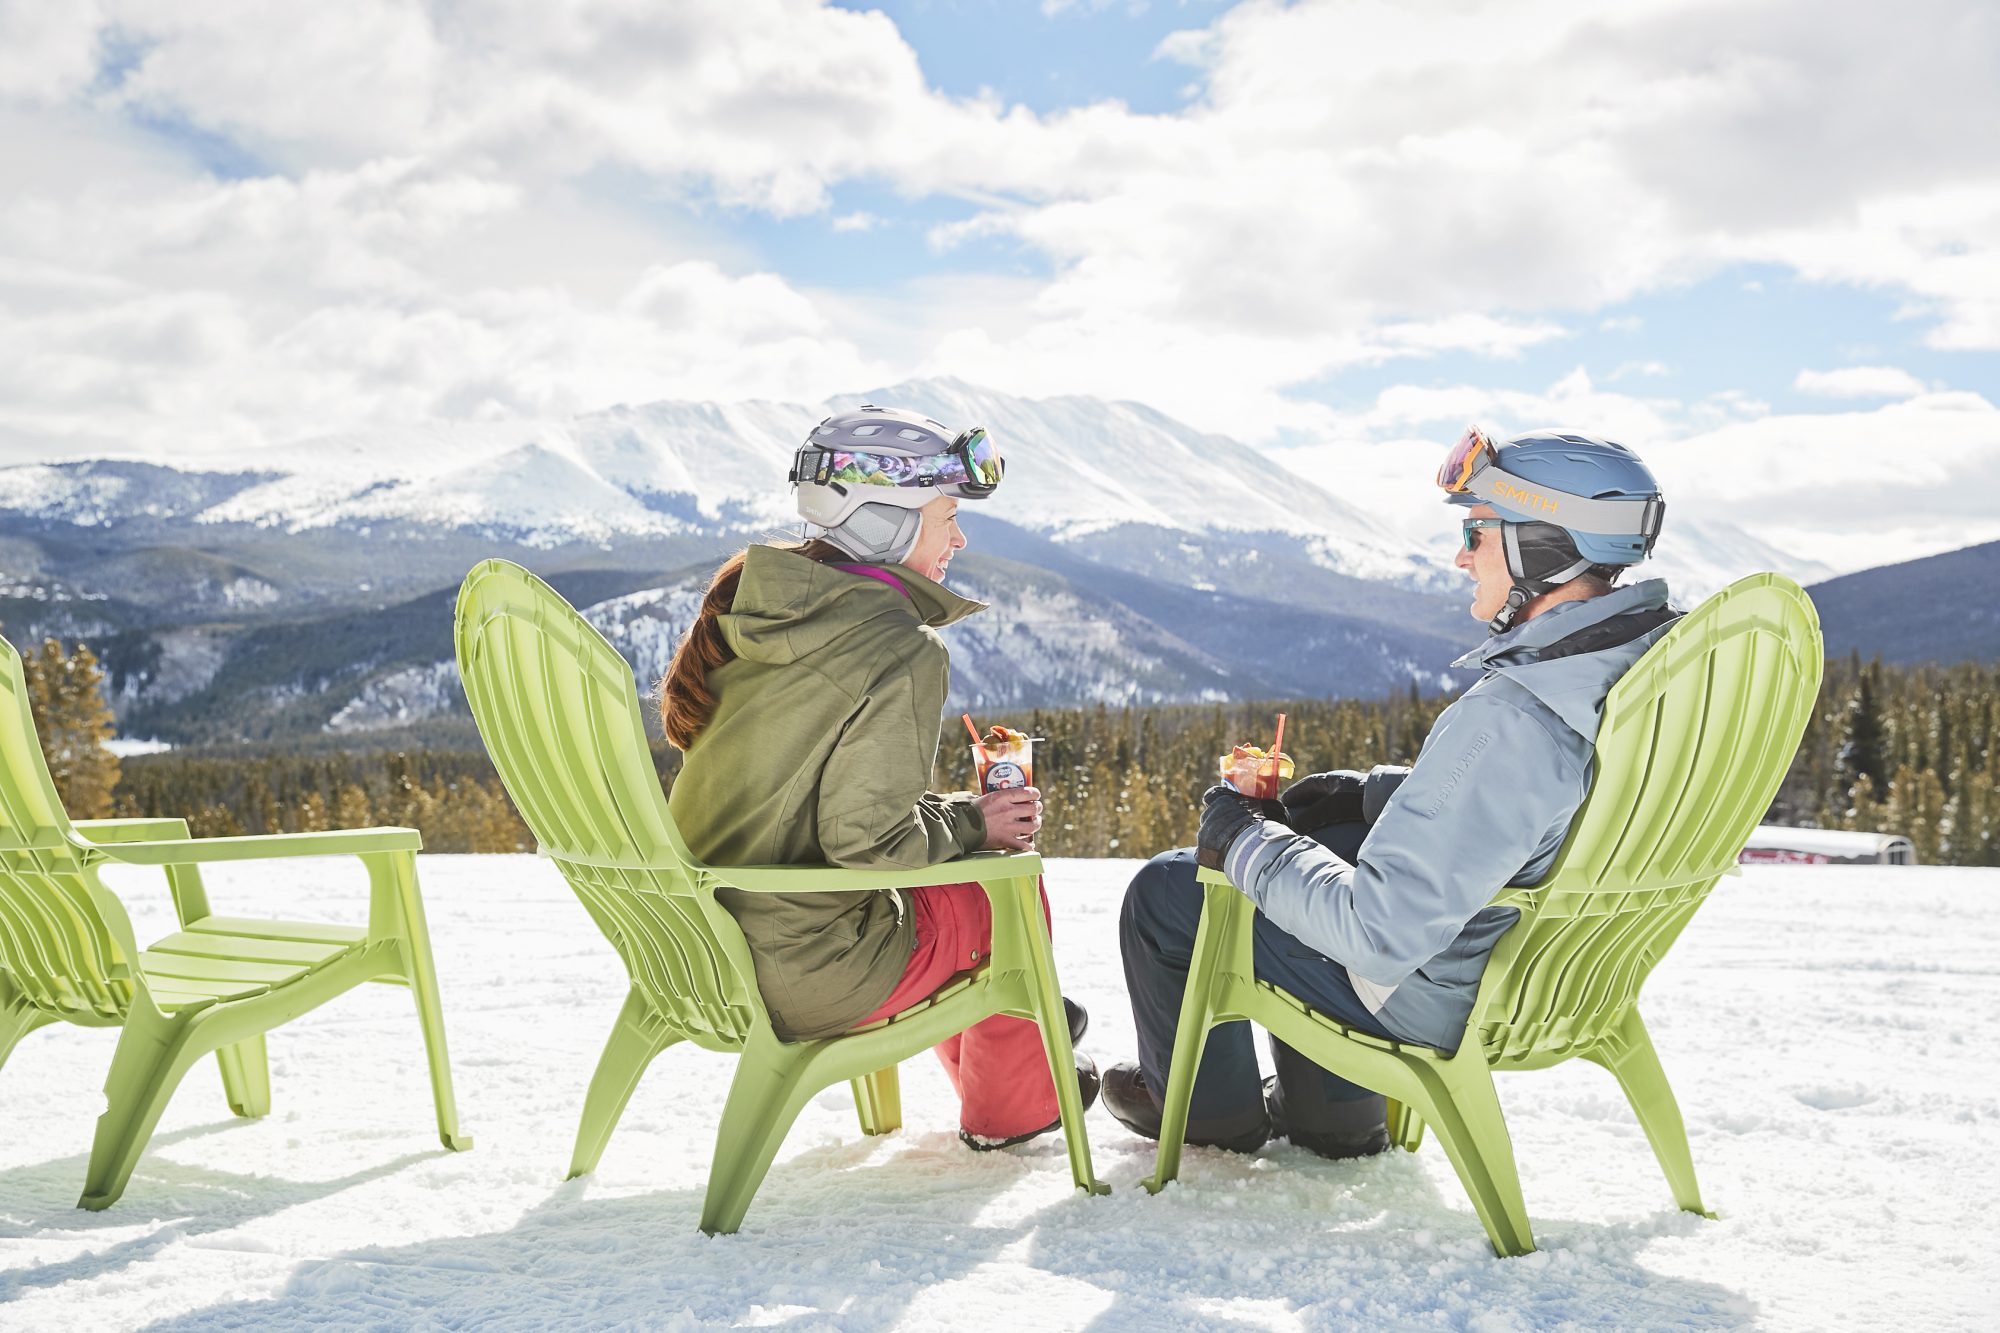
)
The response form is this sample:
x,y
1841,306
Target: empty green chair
x,y
1695,739
67,952
559,713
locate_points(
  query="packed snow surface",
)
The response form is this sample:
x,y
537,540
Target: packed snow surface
x,y
1829,1031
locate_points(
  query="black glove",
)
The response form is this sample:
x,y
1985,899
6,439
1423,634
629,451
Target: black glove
x,y
1321,799
1225,813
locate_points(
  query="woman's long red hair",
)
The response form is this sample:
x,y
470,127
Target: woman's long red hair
x,y
686,702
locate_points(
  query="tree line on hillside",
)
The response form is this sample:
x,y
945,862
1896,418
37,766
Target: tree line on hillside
x,y
1903,750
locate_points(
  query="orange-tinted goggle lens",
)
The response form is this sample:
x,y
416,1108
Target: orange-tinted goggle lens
x,y
1472,452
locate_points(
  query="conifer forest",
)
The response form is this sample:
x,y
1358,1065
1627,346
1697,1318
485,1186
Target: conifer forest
x,y
1889,749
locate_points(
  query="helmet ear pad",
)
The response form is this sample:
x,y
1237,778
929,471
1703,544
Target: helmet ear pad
x,y
1543,555
878,533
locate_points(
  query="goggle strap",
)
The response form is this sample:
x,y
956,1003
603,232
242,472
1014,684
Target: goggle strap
x,y
810,464
1621,517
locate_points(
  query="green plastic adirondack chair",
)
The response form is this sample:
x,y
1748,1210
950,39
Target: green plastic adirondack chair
x,y
1694,742
218,984
559,713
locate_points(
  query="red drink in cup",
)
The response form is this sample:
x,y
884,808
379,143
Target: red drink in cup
x,y
1254,772
1257,773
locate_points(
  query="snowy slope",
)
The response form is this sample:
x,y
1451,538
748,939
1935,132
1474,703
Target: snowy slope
x,y
1825,1030
1077,466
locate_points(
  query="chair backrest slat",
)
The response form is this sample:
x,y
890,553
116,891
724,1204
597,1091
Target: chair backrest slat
x,y
560,717
1694,742
65,943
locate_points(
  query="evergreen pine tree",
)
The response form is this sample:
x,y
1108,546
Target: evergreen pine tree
x,y
1862,752
312,814
1915,809
351,808
215,821
72,722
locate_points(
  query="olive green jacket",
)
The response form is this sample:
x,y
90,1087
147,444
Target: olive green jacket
x,y
820,751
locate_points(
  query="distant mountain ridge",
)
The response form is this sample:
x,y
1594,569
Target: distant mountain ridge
x,y
1941,608
1128,558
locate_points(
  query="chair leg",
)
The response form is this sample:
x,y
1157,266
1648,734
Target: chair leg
x,y
421,973
1636,1065
879,1099
1474,1136
246,1076
765,1097
1025,903
153,1055
1406,1127
17,1020
1190,1039
639,1036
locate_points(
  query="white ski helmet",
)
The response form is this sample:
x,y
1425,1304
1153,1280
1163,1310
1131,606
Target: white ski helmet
x,y
863,475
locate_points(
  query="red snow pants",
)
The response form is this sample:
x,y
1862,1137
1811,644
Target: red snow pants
x,y
997,1065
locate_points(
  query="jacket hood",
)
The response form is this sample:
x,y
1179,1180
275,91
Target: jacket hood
x,y
1573,687
788,606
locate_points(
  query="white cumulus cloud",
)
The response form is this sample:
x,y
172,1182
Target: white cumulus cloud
x,y
1859,382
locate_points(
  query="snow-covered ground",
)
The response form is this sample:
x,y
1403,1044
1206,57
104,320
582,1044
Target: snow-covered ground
x,y
1830,1032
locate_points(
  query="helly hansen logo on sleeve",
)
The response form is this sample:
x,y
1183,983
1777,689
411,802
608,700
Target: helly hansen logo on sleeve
x,y
1465,762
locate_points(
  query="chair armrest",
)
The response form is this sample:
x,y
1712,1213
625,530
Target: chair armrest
x,y
1207,876
977,868
103,831
260,847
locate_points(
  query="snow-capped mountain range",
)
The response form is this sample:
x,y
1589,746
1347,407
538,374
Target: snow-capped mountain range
x,y
1076,467
1129,558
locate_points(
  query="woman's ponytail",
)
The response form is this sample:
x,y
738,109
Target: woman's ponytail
x,y
686,702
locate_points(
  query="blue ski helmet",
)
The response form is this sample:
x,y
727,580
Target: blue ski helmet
x,y
1569,505
1598,492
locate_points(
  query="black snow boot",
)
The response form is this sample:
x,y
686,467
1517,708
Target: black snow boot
x,y
1337,1130
1135,1106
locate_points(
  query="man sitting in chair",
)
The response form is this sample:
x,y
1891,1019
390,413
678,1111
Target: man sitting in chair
x,y
1372,890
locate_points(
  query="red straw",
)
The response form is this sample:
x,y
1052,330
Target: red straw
x,y
1279,743
978,745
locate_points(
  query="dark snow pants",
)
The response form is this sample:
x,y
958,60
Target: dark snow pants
x,y
1156,931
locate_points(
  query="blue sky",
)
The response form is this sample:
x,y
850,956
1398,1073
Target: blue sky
x,y
1086,52
1750,328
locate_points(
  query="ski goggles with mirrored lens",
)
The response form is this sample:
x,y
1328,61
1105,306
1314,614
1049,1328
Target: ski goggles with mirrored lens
x,y
970,468
1470,456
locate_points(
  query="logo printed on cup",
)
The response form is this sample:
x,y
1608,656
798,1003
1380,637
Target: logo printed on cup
x,y
1005,775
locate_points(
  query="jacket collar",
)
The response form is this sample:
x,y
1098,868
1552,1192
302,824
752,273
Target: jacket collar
x,y
1574,687
1523,643
787,605
935,604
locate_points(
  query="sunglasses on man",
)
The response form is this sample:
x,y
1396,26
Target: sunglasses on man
x,y
1469,530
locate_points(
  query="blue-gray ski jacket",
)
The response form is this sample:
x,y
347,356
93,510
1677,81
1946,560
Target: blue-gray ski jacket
x,y
1487,804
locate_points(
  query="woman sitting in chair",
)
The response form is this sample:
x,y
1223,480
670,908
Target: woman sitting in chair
x,y
808,697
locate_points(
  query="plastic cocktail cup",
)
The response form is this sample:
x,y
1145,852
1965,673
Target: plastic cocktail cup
x,y
1005,767
1258,777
